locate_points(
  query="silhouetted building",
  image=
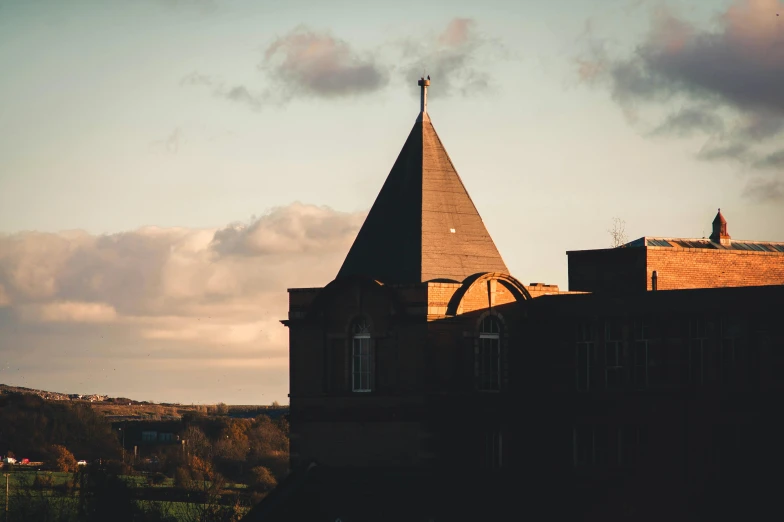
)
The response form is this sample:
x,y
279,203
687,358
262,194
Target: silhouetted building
x,y
427,383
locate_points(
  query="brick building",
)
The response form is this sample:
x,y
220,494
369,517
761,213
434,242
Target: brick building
x,y
427,383
676,263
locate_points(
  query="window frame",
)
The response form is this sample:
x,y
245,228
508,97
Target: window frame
x,y
494,449
642,340
613,344
362,339
578,433
489,341
584,343
698,335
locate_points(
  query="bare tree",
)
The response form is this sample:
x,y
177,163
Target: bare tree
x,y
618,232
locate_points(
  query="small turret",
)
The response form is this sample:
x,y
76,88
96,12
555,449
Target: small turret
x,y
720,234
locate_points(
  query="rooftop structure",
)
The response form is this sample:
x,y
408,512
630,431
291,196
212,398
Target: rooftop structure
x,y
423,225
666,263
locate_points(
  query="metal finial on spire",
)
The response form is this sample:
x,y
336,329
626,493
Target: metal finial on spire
x,y
423,85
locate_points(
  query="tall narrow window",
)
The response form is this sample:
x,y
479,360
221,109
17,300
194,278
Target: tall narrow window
x,y
698,334
613,355
583,446
493,449
490,354
642,335
362,358
731,332
630,440
585,355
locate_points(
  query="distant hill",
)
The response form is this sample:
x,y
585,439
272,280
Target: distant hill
x,y
53,396
122,408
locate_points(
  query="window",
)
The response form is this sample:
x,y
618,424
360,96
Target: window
x,y
585,355
630,443
613,355
489,354
493,449
731,331
583,446
149,436
642,335
698,334
362,358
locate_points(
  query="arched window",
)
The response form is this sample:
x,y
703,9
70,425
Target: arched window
x,y
489,354
361,357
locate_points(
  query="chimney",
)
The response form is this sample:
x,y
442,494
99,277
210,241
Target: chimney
x,y
654,281
423,85
720,234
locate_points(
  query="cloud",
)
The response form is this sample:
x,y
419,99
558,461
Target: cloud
x,y
205,6
235,93
68,311
296,229
170,144
133,299
774,161
451,58
728,80
309,63
316,64
765,189
690,120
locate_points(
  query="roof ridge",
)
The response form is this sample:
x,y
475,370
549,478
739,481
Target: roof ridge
x,y
423,225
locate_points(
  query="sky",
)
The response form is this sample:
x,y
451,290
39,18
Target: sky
x,y
168,168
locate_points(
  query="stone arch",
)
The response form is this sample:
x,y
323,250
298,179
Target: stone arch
x,y
471,284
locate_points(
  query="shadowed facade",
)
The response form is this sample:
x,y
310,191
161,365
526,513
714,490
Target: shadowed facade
x,y
427,383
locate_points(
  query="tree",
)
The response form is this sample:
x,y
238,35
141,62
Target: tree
x,y
262,479
618,232
64,459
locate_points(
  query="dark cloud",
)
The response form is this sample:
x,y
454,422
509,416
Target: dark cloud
x,y
690,120
717,151
452,58
729,80
237,93
765,190
310,63
774,161
240,94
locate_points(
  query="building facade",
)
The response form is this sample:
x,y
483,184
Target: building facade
x,y
427,383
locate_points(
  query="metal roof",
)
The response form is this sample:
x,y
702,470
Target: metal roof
x,y
683,243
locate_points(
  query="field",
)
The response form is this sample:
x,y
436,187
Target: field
x,y
29,490
162,411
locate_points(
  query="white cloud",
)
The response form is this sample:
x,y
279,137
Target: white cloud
x,y
68,311
160,294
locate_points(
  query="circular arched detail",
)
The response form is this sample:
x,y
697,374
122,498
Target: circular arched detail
x,y
510,283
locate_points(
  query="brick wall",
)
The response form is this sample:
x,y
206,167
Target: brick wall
x,y
703,268
630,269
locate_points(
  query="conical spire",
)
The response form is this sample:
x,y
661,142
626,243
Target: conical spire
x,y
423,224
720,234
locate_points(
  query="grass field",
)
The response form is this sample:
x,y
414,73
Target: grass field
x,y
21,489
